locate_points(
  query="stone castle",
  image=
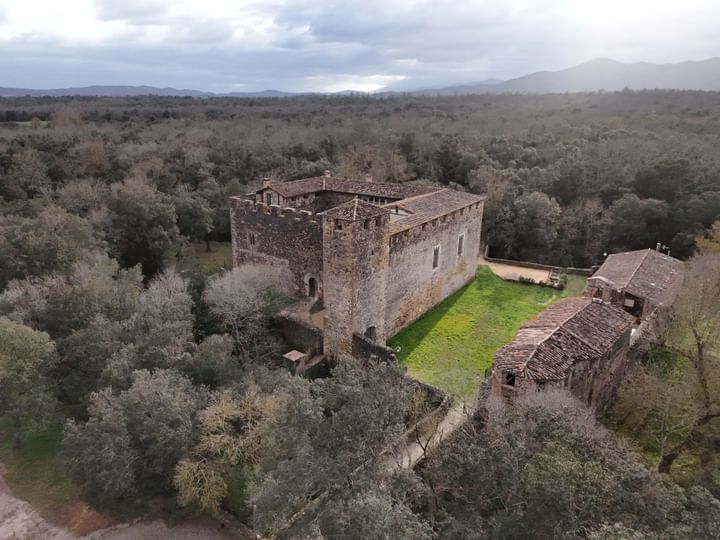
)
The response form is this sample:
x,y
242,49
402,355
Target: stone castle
x,y
374,256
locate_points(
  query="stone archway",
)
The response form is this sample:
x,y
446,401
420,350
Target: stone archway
x,y
371,333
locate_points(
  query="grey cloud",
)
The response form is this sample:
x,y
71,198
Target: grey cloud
x,y
139,12
430,44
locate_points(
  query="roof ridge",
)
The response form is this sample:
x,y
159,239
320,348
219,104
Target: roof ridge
x,y
413,198
632,276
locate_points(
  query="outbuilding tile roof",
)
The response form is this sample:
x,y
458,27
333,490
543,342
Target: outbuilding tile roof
x,y
569,331
645,273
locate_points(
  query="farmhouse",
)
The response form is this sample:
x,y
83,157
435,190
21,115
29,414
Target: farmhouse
x,y
637,281
374,256
577,343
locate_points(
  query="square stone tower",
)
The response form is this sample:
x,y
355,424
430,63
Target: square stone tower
x,y
356,253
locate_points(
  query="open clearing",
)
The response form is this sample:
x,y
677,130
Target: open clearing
x,y
452,345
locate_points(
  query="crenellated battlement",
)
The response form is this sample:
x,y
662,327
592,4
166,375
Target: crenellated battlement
x,y
248,210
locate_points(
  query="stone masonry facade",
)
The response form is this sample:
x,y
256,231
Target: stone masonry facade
x,y
378,255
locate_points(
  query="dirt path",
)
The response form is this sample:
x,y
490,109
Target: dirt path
x,y
408,456
20,521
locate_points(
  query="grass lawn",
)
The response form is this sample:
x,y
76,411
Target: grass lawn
x,y
196,258
35,471
452,345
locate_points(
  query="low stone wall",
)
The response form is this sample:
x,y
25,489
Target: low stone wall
x,y
365,349
548,267
300,334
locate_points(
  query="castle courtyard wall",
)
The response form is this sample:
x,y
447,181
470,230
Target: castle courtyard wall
x,y
413,285
278,237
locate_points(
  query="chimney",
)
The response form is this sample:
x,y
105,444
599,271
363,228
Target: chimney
x,y
327,173
657,247
265,181
368,177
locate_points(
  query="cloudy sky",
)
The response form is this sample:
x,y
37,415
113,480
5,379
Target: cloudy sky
x,y
333,45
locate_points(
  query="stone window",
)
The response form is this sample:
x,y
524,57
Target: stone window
x,y
268,198
509,379
461,244
378,221
436,257
251,239
338,225
366,224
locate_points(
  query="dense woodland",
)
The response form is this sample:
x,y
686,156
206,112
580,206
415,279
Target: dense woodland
x,y
569,177
168,382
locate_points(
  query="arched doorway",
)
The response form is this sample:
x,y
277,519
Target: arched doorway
x,y
312,287
371,333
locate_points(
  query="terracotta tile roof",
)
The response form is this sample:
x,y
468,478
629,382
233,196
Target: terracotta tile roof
x,y
569,331
348,185
645,273
354,210
426,207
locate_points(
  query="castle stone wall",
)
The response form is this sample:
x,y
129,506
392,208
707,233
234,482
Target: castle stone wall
x,y
413,286
278,237
300,335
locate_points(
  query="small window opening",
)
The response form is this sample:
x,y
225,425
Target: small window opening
x,y
378,221
367,224
338,225
371,333
268,198
312,287
461,242
509,379
436,257
251,239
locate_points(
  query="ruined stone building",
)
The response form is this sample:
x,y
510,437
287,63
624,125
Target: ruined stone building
x,y
375,256
580,344
637,281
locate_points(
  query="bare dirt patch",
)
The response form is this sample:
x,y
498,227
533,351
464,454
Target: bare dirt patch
x,y
507,271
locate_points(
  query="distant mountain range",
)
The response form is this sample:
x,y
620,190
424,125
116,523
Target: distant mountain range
x,y
126,91
595,75
602,74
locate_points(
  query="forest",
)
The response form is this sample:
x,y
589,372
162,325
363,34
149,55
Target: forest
x,y
164,381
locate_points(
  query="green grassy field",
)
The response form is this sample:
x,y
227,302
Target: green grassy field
x,y
35,470
452,345
197,259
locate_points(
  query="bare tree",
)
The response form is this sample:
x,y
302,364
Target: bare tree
x,y
243,298
694,319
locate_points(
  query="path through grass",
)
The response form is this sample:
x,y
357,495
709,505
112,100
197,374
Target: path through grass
x,y
452,345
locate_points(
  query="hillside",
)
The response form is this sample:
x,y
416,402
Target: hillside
x,y
602,74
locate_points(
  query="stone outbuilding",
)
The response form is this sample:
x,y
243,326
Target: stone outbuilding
x,y
580,344
637,281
